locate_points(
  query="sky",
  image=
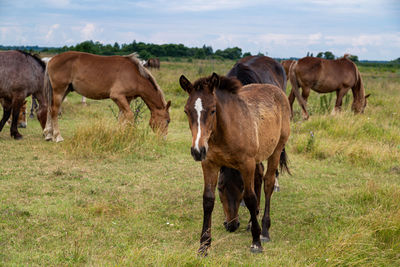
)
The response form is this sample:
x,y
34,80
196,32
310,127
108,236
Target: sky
x,y
369,29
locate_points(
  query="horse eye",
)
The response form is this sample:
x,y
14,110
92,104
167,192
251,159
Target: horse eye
x,y
168,121
212,112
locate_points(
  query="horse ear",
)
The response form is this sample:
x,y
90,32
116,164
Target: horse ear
x,y
168,105
367,96
185,84
214,81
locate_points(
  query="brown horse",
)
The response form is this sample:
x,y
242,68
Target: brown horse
x,y
21,75
22,119
237,127
121,78
152,63
251,69
286,65
325,76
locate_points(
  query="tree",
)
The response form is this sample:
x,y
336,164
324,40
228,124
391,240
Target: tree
x,y
247,54
326,55
353,58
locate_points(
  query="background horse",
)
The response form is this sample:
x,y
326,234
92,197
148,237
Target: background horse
x,y
21,75
121,78
237,127
248,70
152,63
325,76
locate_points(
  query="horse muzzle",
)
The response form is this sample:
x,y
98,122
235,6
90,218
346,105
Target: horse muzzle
x,y
22,125
198,155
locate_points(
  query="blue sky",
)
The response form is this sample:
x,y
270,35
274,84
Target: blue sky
x,y
367,28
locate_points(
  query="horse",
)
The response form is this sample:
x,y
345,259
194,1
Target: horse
x,y
121,78
21,75
22,119
251,69
152,63
286,65
325,76
237,127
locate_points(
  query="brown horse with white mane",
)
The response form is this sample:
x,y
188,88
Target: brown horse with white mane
x,y
121,78
21,75
237,127
325,76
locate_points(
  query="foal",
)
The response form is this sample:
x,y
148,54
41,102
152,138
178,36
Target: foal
x,y
237,127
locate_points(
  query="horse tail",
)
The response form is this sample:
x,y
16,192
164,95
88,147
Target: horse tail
x,y
295,85
48,89
283,162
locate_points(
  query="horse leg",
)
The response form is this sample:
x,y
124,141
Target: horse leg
x,y
305,94
16,107
84,101
55,107
6,113
125,112
258,179
269,183
291,101
34,106
247,169
340,93
210,173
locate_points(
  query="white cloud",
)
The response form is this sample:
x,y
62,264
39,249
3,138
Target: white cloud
x,y
49,34
87,32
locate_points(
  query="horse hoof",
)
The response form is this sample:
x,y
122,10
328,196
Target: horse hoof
x,y
59,139
17,137
202,252
256,248
265,239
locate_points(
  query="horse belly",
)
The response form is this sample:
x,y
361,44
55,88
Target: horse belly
x,y
91,89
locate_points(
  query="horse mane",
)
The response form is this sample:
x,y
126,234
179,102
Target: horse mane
x,y
143,71
35,57
228,84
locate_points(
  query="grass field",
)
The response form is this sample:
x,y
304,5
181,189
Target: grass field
x,y
116,195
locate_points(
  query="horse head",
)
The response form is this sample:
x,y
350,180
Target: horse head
x,y
200,109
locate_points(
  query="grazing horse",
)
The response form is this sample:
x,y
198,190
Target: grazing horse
x,y
21,75
237,127
251,69
152,63
325,76
121,78
22,119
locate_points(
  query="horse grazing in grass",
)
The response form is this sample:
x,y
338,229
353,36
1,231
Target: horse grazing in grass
x,y
22,119
237,127
121,78
21,75
325,76
248,70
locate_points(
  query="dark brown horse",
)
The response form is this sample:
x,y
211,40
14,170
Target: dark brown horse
x,y
152,63
21,75
121,78
237,127
325,76
248,70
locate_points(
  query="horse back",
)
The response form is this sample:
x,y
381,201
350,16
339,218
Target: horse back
x,y
270,110
259,69
20,72
91,75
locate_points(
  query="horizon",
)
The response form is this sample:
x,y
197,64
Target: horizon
x,y
365,28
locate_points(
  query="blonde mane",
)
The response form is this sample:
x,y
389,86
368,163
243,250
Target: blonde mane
x,y
145,73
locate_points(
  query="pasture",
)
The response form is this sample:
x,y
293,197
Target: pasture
x,y
118,195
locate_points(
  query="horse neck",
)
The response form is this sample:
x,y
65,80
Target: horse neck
x,y
152,96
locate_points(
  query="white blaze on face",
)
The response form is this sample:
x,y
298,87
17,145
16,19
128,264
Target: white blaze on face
x,y
198,106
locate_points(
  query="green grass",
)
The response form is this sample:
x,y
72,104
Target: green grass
x,y
119,195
